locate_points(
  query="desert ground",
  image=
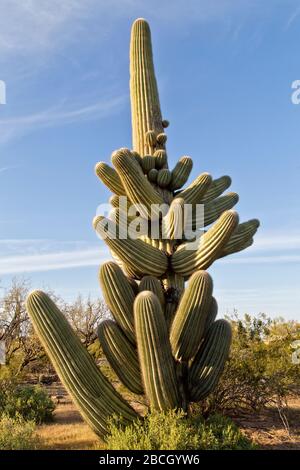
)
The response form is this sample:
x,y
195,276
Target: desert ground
x,y
266,429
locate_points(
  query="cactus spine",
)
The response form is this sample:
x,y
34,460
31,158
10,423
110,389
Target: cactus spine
x,y
163,340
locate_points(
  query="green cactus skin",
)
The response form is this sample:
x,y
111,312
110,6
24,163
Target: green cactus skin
x,y
241,238
181,173
137,187
121,355
212,315
214,208
119,296
152,175
145,106
154,285
216,188
161,138
110,178
150,138
194,192
164,178
191,317
148,163
173,223
139,257
95,397
185,261
161,158
156,360
209,362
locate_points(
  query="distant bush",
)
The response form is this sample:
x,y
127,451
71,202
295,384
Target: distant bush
x,y
173,431
259,371
17,434
30,403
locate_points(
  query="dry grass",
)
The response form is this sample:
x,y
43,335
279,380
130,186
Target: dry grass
x,y
68,431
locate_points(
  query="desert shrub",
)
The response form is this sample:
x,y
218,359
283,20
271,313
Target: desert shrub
x,y
172,430
259,371
17,434
31,403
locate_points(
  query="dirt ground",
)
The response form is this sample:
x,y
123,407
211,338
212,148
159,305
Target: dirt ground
x,y
68,431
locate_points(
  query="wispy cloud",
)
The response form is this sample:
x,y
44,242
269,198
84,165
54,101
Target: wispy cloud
x,y
57,116
52,261
295,14
28,256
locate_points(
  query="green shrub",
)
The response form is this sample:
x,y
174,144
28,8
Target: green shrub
x,y
31,403
174,431
259,371
17,434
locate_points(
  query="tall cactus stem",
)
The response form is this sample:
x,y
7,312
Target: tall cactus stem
x,y
145,106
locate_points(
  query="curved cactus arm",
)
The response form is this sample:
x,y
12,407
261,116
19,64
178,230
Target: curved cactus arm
x,y
212,211
138,189
173,223
181,172
156,360
190,319
139,257
185,260
215,208
241,238
110,178
119,296
145,106
212,315
209,362
216,188
95,397
121,355
195,191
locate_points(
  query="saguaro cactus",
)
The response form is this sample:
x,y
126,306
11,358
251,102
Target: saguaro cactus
x,y
163,340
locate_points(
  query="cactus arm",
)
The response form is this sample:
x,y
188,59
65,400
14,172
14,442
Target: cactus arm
x,y
95,397
181,173
195,191
241,238
212,315
209,362
191,317
110,178
156,360
216,188
138,189
215,208
119,296
185,260
154,285
139,257
121,355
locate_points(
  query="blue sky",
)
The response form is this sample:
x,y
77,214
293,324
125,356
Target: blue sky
x,y
225,70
